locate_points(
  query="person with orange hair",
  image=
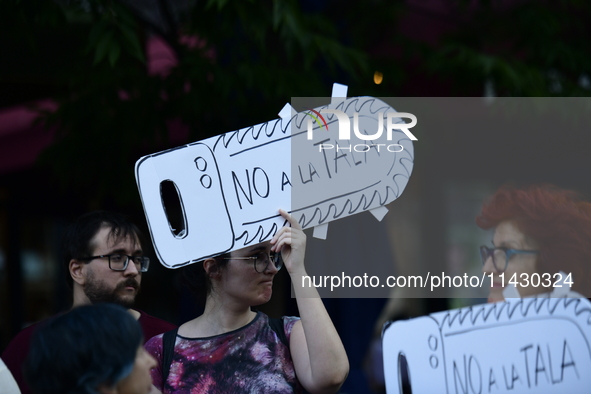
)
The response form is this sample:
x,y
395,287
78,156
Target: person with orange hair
x,y
539,231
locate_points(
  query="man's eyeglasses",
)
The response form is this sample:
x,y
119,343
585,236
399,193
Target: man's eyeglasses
x,y
500,256
119,262
261,260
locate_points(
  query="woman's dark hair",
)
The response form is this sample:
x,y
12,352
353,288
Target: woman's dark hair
x,y
558,220
196,279
85,348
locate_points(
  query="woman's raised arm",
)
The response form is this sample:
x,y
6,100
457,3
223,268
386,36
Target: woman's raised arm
x,y
318,354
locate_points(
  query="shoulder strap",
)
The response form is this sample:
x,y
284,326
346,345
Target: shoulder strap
x,y
168,340
277,326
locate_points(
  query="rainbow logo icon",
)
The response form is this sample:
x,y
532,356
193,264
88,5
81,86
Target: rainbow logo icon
x,y
316,118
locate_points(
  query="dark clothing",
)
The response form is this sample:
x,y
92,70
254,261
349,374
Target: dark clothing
x,y
152,326
16,352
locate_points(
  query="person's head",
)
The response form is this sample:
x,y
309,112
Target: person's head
x,y
91,349
96,250
245,274
547,229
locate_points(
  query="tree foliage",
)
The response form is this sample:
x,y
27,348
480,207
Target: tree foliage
x,y
522,48
239,60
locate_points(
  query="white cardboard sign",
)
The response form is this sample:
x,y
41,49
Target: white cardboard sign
x,y
231,186
530,345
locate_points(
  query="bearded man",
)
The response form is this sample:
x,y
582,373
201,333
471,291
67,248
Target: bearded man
x,y
104,262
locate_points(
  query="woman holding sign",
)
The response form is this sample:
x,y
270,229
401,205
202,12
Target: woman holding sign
x,y
541,243
233,349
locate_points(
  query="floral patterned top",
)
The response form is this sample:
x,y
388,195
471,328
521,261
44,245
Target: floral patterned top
x,y
251,359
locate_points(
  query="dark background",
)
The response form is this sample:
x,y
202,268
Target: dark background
x,y
115,80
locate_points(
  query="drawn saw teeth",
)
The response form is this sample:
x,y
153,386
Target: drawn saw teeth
x,y
223,193
529,345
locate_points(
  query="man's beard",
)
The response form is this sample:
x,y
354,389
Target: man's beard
x,y
97,292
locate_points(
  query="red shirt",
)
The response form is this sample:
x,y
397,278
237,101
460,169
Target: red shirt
x,y
16,352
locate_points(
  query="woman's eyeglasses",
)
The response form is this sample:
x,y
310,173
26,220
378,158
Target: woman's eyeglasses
x,y
500,256
261,260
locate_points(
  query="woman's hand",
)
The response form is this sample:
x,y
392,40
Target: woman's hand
x,y
291,243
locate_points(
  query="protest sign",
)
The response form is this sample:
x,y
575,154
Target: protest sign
x,y
529,345
348,156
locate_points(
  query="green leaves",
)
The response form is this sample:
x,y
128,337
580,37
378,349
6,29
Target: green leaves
x,y
238,61
231,57
132,43
529,49
114,32
103,45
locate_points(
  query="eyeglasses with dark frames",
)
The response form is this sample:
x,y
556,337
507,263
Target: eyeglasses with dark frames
x,y
500,256
119,262
261,260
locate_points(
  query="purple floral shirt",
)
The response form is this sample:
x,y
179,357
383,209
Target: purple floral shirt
x,y
251,359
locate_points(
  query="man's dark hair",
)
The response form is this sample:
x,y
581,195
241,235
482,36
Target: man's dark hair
x,y
85,348
76,243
